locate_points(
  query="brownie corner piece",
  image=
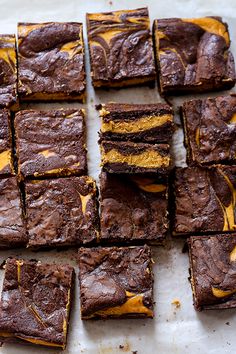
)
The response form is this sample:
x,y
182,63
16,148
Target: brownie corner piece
x,y
129,157
133,209
120,47
8,77
62,212
193,55
6,155
51,63
25,315
12,228
203,120
205,200
213,271
116,282
51,143
147,123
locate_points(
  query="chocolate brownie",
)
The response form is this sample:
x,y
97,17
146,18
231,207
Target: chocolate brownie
x,y
116,282
35,303
205,200
12,230
120,47
150,123
133,209
6,157
213,271
129,157
210,130
51,61
193,55
8,72
61,212
51,143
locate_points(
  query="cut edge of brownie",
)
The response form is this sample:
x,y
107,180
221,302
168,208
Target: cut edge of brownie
x,y
150,123
120,161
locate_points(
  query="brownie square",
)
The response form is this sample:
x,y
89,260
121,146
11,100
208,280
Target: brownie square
x,y
35,303
61,212
213,271
6,158
8,72
12,231
51,143
205,200
210,130
133,209
51,62
116,282
120,47
146,123
129,157
193,55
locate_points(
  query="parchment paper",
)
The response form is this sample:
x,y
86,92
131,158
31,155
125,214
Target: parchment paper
x,y
173,331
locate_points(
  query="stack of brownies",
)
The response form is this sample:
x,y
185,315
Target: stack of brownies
x,y
48,200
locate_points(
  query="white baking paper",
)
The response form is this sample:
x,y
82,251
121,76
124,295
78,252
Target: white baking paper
x,y
174,330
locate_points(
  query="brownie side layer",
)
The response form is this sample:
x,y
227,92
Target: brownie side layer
x,y
136,122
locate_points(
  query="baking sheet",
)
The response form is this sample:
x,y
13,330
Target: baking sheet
x,y
174,331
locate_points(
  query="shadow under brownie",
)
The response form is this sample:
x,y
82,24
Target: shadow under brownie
x,y
146,123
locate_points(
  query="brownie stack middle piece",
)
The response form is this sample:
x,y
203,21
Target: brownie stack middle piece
x,y
135,158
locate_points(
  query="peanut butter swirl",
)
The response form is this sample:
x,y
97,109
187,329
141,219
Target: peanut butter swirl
x,y
51,61
8,71
193,55
120,47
